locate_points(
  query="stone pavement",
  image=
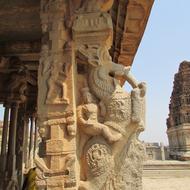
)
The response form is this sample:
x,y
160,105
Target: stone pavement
x,y
166,175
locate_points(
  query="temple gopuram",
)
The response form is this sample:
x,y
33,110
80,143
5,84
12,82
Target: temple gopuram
x,y
178,122
66,116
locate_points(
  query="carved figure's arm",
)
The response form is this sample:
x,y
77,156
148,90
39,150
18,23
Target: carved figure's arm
x,y
102,109
81,120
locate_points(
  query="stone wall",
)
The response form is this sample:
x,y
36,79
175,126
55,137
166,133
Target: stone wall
x,y
156,151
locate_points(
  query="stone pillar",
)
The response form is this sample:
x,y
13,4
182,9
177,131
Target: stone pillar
x,y
20,143
25,140
3,156
56,100
109,119
11,176
4,138
31,142
35,139
162,151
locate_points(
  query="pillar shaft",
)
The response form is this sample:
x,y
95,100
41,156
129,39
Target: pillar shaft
x,y
56,100
20,144
26,138
31,142
11,156
5,131
35,139
4,138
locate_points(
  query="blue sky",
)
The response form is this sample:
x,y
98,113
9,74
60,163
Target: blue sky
x,y
165,44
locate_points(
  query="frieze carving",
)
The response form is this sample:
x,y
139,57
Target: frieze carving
x,y
67,119
54,61
56,86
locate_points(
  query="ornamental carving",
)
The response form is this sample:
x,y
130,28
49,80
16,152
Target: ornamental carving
x,y
109,119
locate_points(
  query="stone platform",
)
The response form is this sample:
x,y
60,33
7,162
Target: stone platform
x,y
166,175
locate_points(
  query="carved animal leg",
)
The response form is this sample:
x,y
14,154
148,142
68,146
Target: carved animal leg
x,y
109,136
101,129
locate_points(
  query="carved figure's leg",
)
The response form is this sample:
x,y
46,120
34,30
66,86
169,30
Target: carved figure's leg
x,y
109,136
101,129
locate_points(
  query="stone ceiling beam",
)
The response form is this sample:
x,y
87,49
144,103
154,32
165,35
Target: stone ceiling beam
x,y
129,35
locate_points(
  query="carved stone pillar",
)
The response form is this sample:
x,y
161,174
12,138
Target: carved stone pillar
x,y
31,142
109,119
11,176
35,139
56,114
3,156
4,138
25,147
20,143
19,79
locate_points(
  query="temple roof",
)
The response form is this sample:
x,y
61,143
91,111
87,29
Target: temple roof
x,y
20,29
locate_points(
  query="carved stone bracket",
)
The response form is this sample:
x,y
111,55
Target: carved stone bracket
x,y
109,119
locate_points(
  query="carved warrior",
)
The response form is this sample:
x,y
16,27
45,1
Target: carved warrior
x,y
88,119
109,119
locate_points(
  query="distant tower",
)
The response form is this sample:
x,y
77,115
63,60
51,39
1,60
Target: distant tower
x,y
178,122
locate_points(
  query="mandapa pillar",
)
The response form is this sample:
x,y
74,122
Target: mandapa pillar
x,y
56,162
25,140
20,143
31,142
3,156
4,138
11,175
35,139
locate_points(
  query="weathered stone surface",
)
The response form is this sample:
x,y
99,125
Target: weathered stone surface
x,y
178,121
109,119
56,111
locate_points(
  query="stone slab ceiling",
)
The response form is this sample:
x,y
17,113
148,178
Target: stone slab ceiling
x,y
20,22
